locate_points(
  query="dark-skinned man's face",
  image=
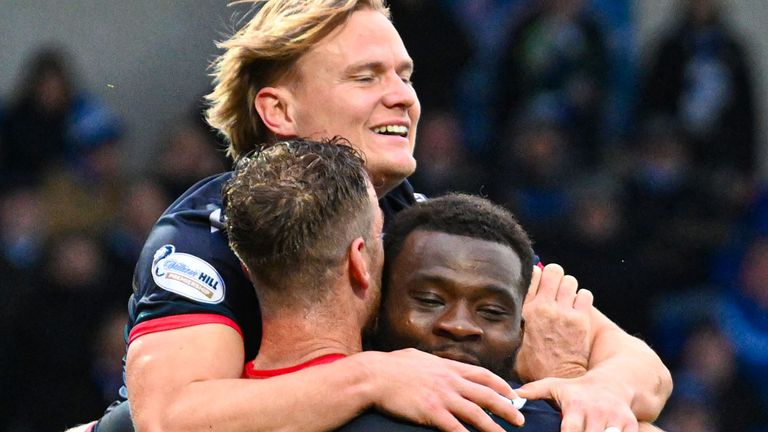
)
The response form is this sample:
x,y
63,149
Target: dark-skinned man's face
x,y
456,297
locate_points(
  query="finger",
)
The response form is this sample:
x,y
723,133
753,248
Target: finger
x,y
445,421
584,300
632,426
533,288
623,424
647,427
550,282
484,377
541,389
489,400
616,427
566,293
473,415
596,420
573,421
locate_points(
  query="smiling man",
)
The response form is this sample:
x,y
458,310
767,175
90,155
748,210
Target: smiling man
x,y
458,268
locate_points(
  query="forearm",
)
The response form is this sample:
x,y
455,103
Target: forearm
x,y
316,399
188,380
629,367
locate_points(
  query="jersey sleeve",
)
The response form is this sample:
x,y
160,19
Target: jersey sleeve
x,y
187,275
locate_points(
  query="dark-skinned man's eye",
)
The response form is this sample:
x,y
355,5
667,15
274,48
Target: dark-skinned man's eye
x,y
429,301
493,314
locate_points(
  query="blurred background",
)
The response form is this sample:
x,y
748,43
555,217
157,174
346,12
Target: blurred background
x,y
630,138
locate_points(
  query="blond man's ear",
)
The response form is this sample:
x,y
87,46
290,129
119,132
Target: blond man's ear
x,y
273,106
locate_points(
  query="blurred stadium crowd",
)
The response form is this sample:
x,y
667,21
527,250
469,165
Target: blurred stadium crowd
x,y
643,185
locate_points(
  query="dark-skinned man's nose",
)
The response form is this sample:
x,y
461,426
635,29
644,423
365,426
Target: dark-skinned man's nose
x,y
458,323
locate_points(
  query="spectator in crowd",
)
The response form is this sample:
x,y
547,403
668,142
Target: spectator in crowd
x,y
594,242
85,193
714,336
532,170
35,131
486,23
22,247
57,338
668,206
22,228
743,315
188,154
555,62
52,122
711,393
142,203
424,25
700,75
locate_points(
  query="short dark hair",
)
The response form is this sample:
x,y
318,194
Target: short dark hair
x,y
464,215
292,210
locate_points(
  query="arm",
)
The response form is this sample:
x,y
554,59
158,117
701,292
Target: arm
x,y
188,379
618,376
630,366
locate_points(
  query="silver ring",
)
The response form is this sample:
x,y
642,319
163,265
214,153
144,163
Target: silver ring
x,y
612,429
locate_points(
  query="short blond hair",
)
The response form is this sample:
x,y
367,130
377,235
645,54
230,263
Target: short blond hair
x,y
261,52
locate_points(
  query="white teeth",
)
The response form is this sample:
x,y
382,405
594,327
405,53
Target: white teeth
x,y
392,130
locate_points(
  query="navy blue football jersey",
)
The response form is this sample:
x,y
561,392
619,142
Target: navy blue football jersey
x,y
187,275
539,417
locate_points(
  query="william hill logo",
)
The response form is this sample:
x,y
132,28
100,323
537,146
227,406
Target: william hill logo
x,y
187,275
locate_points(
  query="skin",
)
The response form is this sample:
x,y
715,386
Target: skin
x,y
456,297
306,331
352,82
613,387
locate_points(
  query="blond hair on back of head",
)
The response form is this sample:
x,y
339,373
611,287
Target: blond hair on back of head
x,y
261,52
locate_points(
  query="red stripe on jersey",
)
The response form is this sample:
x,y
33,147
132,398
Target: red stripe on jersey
x,y
179,321
251,372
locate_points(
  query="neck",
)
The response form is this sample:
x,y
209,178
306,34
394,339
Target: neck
x,y
291,338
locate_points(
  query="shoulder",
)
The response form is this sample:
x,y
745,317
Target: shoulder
x,y
186,265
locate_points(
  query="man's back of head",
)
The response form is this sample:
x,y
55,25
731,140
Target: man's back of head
x,y
303,218
292,210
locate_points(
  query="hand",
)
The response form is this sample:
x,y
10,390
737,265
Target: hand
x,y
437,392
587,405
556,327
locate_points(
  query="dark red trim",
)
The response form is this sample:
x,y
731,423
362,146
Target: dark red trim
x,y
540,265
179,321
251,372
